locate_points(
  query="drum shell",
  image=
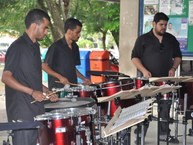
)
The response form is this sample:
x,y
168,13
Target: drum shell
x,y
110,88
140,82
84,91
69,121
60,130
126,84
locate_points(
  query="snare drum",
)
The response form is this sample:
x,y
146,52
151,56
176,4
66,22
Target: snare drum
x,y
60,128
84,91
70,121
108,89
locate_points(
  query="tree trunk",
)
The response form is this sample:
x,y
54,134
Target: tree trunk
x,y
58,9
116,37
104,39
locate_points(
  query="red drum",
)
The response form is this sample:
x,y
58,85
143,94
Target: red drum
x,y
127,84
84,91
140,82
70,122
108,89
60,128
167,96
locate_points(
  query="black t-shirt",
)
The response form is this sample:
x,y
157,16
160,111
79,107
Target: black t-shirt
x,y
23,60
155,56
62,60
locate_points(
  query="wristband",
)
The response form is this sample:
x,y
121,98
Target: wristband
x,y
174,68
32,92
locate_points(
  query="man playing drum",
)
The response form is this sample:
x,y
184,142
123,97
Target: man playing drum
x,y
157,54
63,56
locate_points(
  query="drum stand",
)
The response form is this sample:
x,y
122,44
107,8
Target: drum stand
x,y
159,121
140,127
174,139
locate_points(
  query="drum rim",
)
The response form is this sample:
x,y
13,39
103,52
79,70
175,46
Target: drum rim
x,y
89,109
50,116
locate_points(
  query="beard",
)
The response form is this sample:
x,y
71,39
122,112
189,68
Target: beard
x,y
161,32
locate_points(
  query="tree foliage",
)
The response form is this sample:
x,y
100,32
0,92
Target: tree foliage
x,y
12,14
97,16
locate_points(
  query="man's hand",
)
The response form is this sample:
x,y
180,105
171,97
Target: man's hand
x,y
64,80
38,95
53,97
171,72
146,74
87,82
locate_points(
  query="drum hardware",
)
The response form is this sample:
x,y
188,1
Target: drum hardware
x,y
87,130
184,119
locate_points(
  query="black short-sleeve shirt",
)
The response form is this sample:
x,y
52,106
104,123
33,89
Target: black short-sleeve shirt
x,y
23,60
62,60
155,56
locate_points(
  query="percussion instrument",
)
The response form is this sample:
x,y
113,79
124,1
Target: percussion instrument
x,y
127,84
167,96
108,89
84,91
70,121
140,82
112,87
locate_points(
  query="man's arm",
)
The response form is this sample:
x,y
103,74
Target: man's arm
x,y
177,61
137,62
51,72
10,81
84,79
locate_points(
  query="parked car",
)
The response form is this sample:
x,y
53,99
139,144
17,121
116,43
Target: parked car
x,y
2,56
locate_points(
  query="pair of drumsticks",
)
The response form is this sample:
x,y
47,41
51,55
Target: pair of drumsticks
x,y
55,91
47,96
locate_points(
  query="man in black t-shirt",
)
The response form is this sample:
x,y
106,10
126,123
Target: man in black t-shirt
x,y
63,56
157,54
22,76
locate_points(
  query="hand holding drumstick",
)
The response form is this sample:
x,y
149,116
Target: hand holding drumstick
x,y
39,96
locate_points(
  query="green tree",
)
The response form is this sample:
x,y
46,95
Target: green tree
x,y
97,16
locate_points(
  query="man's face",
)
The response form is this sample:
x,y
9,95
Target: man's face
x,y
75,34
42,29
160,27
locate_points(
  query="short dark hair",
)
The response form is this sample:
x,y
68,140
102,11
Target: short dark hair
x,y
71,23
160,16
35,16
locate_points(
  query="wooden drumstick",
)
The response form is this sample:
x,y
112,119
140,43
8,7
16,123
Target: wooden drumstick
x,y
69,83
47,96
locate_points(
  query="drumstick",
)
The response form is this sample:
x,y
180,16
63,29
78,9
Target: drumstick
x,y
69,83
47,96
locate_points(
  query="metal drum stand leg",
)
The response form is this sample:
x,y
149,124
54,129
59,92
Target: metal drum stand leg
x,y
174,139
184,119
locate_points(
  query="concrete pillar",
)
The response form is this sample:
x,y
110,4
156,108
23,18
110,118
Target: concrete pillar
x,y
129,13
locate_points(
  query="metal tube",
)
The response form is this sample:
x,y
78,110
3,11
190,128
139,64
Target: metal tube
x,y
185,121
